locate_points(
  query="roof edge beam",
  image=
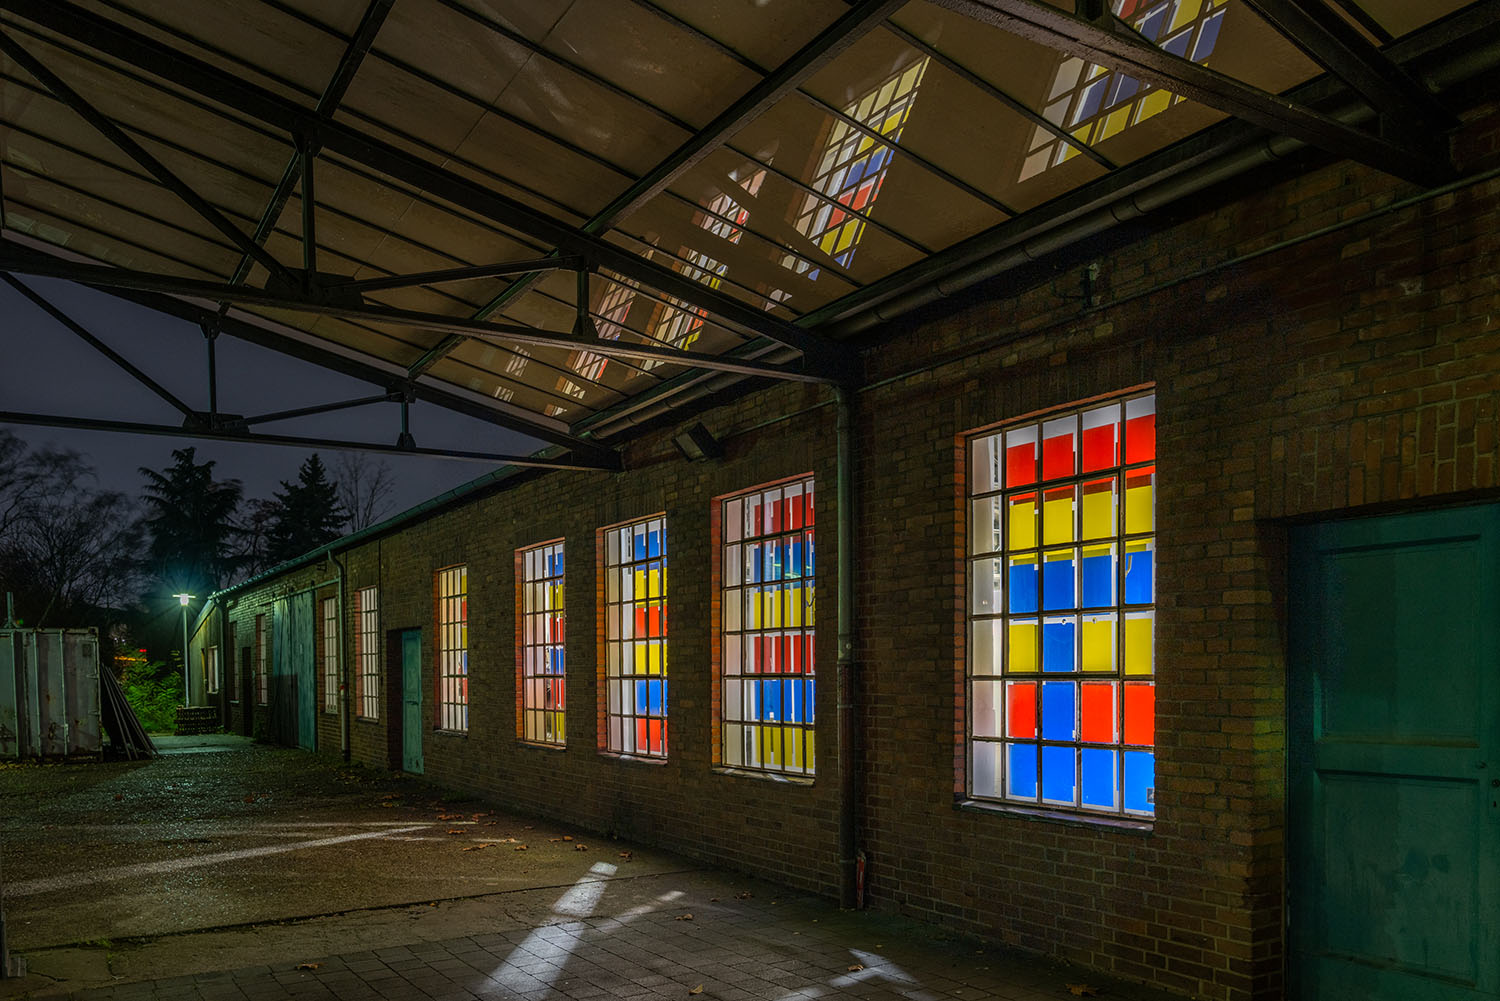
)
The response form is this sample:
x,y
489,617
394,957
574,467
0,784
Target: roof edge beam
x,y
1127,52
1336,46
118,138
188,430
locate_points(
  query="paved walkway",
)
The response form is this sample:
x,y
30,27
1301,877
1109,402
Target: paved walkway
x,y
447,910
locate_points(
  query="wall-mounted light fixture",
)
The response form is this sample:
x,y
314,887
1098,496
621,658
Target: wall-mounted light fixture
x,y
697,443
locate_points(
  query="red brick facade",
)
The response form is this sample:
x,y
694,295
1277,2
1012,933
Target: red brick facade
x,y
1316,347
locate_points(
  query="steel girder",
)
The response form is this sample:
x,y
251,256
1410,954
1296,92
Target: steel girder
x,y
1109,44
351,308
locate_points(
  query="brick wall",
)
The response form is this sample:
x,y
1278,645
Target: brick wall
x,y
1354,370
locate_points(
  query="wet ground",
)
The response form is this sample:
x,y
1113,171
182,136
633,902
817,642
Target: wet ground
x,y
226,869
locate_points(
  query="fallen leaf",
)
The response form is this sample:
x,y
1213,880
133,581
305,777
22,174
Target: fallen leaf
x,y
567,837
1083,990
527,827
684,917
625,855
308,966
745,895
697,990
455,832
491,823
856,967
713,900
519,848
580,848
554,840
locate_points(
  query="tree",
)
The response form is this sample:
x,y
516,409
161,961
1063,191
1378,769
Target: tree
x,y
253,535
364,487
190,520
68,550
309,513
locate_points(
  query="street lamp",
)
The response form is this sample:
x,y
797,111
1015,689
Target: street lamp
x,y
187,688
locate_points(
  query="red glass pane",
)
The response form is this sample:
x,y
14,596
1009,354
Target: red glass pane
x,y
1020,465
1098,448
1098,713
809,511
1140,714
1140,438
1020,710
1057,456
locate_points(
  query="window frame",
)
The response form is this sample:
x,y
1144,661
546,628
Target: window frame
x,y
612,680
451,649
985,777
541,644
741,741
367,653
211,673
328,617
262,675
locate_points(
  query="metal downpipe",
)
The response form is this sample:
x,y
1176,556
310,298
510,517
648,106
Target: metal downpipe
x,y
850,890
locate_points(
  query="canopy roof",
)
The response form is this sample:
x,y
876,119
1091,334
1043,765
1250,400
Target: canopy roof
x,y
555,213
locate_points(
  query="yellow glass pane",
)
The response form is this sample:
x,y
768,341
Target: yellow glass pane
x,y
1099,644
1152,104
1022,521
847,235
1099,509
1186,11
1069,151
1022,646
1138,507
1114,123
1138,651
640,658
1057,516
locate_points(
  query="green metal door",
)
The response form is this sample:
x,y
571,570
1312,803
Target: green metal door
x,y
1394,741
411,701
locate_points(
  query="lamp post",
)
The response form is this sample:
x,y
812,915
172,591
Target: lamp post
x,y
187,687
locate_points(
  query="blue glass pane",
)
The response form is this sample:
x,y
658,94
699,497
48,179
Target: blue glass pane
x,y
1099,580
653,543
556,656
1098,777
794,559
1123,89
809,554
1138,577
1178,45
1022,587
1020,769
752,564
1059,712
640,547
1151,27
642,699
1140,781
1058,778
770,700
1207,36
1057,645
1088,105
1057,585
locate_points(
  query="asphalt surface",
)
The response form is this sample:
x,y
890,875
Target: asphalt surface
x,y
226,869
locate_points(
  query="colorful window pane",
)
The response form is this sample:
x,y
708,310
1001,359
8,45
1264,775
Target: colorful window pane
x,y
453,649
543,700
849,174
767,676
1092,103
367,652
330,655
1061,611
635,630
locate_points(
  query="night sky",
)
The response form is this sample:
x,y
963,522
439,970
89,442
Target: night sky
x,y
45,369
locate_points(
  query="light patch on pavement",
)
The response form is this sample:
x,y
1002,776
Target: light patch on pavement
x,y
116,873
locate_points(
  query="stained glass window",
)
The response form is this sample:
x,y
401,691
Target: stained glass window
x,y
635,631
767,683
453,649
330,610
541,662
367,652
1093,103
1061,688
853,166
